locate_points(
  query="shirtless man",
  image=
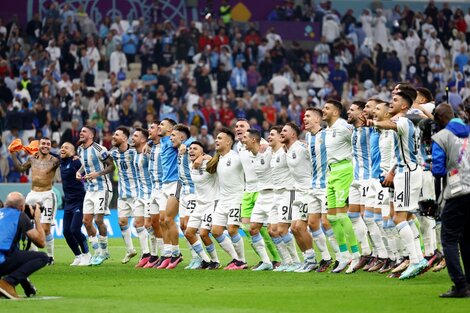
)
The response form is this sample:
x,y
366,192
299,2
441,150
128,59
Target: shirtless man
x,y
43,166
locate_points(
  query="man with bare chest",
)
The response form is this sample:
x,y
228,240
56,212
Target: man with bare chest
x,y
43,166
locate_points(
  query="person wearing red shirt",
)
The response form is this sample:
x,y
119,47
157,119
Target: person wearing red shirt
x,y
210,115
226,114
270,113
220,40
205,40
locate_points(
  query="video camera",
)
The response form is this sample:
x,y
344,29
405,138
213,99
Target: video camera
x,y
29,209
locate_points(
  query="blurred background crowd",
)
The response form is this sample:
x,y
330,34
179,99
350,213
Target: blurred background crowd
x,y
62,70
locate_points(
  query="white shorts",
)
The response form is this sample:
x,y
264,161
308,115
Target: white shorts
x,y
358,192
227,213
142,207
263,206
168,190
378,197
283,200
428,190
201,217
187,204
317,204
407,187
48,201
154,200
126,207
97,202
300,205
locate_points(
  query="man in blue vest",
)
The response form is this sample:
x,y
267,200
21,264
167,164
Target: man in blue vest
x,y
17,265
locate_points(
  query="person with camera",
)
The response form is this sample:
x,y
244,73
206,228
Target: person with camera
x,y
451,160
16,265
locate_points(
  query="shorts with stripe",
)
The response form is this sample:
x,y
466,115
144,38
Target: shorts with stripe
x,y
97,202
142,207
407,187
187,204
283,200
262,210
358,192
300,205
317,204
48,200
227,213
378,197
201,217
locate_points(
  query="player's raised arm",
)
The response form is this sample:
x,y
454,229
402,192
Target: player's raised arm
x,y
20,167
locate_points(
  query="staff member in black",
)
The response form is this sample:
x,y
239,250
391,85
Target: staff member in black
x,y
17,265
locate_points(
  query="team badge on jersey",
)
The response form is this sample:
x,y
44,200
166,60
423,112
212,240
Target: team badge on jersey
x,y
229,162
262,161
201,171
278,159
294,155
334,133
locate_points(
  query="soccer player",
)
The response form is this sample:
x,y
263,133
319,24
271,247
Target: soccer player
x,y
96,165
284,195
261,213
315,139
226,163
387,141
168,204
200,218
43,167
339,152
251,183
407,181
300,167
154,229
74,193
123,155
181,139
142,202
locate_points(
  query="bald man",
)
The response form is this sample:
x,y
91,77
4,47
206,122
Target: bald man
x,y
17,265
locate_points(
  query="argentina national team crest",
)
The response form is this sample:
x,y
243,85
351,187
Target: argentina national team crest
x,y
229,162
294,155
278,159
262,161
334,133
201,171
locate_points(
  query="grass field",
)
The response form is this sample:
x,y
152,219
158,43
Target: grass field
x,y
113,287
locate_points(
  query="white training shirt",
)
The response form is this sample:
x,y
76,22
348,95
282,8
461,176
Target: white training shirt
x,y
251,181
282,179
262,165
300,166
387,141
231,178
206,184
338,141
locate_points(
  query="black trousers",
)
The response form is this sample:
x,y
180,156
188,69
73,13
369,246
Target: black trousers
x,y
455,233
73,233
20,264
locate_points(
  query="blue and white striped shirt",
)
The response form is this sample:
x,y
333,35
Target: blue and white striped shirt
x,y
361,153
144,180
93,159
406,148
319,158
155,167
184,170
375,153
127,184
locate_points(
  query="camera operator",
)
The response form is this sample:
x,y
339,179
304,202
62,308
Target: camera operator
x,y
451,160
17,265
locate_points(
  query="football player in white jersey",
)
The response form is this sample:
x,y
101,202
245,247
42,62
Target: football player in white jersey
x,y
95,169
123,155
262,211
339,153
251,184
142,202
300,167
315,139
155,231
284,195
226,163
407,181
382,194
200,218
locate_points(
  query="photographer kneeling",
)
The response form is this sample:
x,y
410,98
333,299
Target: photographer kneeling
x,y
16,265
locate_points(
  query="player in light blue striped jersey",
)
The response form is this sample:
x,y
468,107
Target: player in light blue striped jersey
x,y
362,165
315,139
142,203
123,155
96,165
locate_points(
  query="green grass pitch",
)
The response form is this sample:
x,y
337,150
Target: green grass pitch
x,y
113,287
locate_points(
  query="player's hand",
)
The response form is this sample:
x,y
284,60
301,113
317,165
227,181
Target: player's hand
x,y
198,162
78,176
75,158
37,212
146,149
263,148
182,149
92,175
388,181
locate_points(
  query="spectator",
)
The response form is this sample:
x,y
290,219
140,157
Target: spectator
x,y
238,79
206,139
338,77
117,61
